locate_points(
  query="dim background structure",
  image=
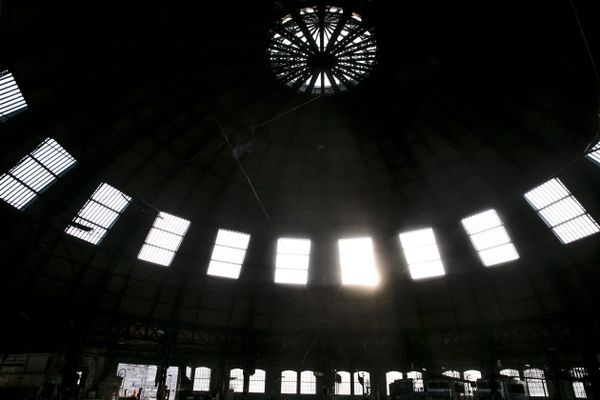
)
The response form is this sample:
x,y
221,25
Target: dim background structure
x,y
172,124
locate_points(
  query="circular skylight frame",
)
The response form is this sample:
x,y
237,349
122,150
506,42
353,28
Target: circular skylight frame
x,y
322,49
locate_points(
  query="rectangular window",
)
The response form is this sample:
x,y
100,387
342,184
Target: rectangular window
x,y
561,211
422,254
391,377
202,379
11,98
343,384
536,382
34,173
228,254
308,382
98,214
164,239
362,383
289,380
417,379
490,238
236,380
256,382
358,262
579,390
291,264
578,386
594,154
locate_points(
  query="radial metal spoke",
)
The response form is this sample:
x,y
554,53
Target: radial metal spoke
x,y
321,49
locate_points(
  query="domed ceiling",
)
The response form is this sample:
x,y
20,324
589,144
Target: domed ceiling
x,y
460,114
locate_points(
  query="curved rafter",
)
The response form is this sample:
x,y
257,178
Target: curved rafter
x,y
321,50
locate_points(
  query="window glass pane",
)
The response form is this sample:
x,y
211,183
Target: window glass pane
x,y
357,262
289,380
308,382
421,253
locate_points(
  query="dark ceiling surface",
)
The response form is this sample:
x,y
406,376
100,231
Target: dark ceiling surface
x,y
469,107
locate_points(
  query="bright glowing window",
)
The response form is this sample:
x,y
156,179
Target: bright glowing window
x,y
490,238
98,214
451,373
236,380
321,51
188,372
421,253
202,379
291,264
342,383
513,373
594,154
536,382
472,375
417,379
579,390
34,173
289,382
228,254
390,377
11,98
164,239
365,387
256,384
578,386
358,262
308,382
561,211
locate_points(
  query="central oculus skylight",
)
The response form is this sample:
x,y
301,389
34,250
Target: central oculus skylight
x,y
164,239
228,254
321,49
98,214
422,254
358,262
34,173
291,265
561,211
490,238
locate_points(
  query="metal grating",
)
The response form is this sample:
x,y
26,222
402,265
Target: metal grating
x,y
291,263
322,49
490,238
594,154
11,98
164,239
228,254
422,254
34,173
561,211
98,214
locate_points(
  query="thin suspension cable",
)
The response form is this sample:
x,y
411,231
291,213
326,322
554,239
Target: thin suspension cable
x,y
254,127
597,76
239,163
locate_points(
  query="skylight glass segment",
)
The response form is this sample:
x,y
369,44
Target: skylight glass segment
x,y
561,211
11,98
34,173
291,263
490,238
321,50
594,154
98,214
422,254
228,254
164,239
358,262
